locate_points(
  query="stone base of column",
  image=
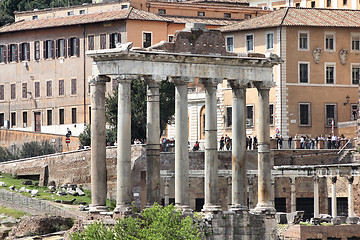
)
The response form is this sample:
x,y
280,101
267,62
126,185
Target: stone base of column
x,y
186,210
97,208
123,210
264,209
238,208
211,209
315,221
352,220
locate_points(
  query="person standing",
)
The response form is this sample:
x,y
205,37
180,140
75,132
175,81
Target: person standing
x,y
255,142
289,142
250,142
222,143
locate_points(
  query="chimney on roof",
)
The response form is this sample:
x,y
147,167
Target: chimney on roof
x,y
195,26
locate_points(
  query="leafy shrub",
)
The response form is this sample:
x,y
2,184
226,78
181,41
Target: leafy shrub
x,y
85,136
156,223
34,149
6,155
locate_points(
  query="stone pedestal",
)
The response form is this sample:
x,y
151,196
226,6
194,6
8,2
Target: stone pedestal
x,y
98,144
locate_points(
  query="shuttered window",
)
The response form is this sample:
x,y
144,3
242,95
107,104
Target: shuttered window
x,y
73,86
73,47
61,87
24,90
91,42
37,50
48,46
13,53
3,54
37,89
24,52
2,92
61,48
114,39
49,88
13,91
102,41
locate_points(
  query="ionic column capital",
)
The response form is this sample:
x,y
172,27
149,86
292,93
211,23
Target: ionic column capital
x,y
210,82
350,179
181,80
238,83
98,79
316,179
292,180
264,85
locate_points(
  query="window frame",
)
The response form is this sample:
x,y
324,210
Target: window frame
x,y
93,42
308,72
151,42
2,92
102,36
48,51
61,89
352,66
73,86
307,41
2,119
112,43
266,41
37,91
352,107
228,109
335,114
227,45
58,49
326,34
246,42
73,50
272,115
12,96
13,120
357,35
161,11
201,14
73,116
37,50
326,65
61,116
3,53
49,121
253,116
13,53
24,116
49,89
24,90
308,114
24,47
227,15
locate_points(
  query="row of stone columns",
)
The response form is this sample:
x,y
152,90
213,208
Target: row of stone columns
x,y
239,178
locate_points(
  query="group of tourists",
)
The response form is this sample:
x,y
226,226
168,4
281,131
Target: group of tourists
x,y
307,142
226,142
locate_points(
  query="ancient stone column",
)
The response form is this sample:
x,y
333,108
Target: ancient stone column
x,y
239,177
316,198
333,197
273,191
124,193
152,141
352,219
182,198
293,194
98,143
251,192
229,189
166,191
264,157
211,154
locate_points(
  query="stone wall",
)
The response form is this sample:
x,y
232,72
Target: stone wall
x,y
11,137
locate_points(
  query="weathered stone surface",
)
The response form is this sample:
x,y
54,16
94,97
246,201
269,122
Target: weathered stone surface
x,y
34,192
2,184
72,192
61,193
281,218
80,192
12,188
295,217
22,189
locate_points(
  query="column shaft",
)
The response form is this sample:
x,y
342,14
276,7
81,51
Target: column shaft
x,y
293,195
316,198
166,191
264,158
153,143
251,193
124,196
333,197
182,199
211,154
98,144
239,177
351,212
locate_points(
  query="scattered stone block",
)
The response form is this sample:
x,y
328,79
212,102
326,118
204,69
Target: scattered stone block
x,y
352,220
52,183
325,218
72,192
68,202
295,217
12,187
27,182
80,192
315,221
34,192
2,184
336,221
281,218
51,188
82,208
61,193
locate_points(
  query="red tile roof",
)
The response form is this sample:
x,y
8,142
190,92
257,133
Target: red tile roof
x,y
207,21
311,17
131,13
220,1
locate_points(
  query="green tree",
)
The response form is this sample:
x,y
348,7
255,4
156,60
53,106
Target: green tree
x,y
138,107
85,136
155,223
34,149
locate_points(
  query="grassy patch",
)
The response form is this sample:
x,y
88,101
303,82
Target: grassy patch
x,y
11,212
44,192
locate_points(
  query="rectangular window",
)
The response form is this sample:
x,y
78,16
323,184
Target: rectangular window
x,y
170,38
271,110
297,5
313,4
269,41
24,90
35,17
250,116
61,116
48,49
37,50
330,74
2,119
249,42
2,93
247,16
162,11
49,117
2,54
37,89
227,15
82,12
13,91
49,88
147,39
13,53
355,75
228,117
91,43
354,112
24,116
355,42
303,41
24,51
102,41
328,3
61,87
330,115
303,72
344,2
70,13
330,41
230,44
201,14
304,114
61,48
73,115
114,39
13,119
73,86
73,47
